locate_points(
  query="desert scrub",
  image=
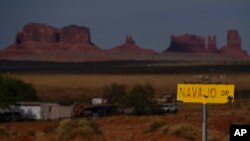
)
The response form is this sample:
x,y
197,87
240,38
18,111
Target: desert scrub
x,y
165,129
65,129
31,132
213,137
40,136
154,126
89,127
69,129
3,132
184,130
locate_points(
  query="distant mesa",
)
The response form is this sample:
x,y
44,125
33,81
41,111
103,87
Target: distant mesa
x,y
233,47
35,32
189,43
40,41
130,47
211,44
71,43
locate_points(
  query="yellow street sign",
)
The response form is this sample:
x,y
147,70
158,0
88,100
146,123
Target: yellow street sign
x,y
205,93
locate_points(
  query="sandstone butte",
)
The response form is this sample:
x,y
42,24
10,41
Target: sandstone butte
x,y
233,47
46,43
188,43
130,47
41,42
72,43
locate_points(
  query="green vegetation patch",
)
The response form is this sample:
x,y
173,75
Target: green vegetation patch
x,y
13,90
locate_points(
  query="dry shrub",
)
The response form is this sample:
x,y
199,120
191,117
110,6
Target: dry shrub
x,y
31,132
24,135
65,129
165,130
213,137
40,136
13,134
154,126
184,130
3,132
69,129
226,137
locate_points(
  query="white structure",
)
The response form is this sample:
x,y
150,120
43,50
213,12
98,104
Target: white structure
x,y
43,111
29,110
98,101
53,111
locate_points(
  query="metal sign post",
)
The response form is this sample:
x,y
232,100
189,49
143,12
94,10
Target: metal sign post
x,y
204,122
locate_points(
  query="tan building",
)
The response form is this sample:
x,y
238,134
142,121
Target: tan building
x,y
53,111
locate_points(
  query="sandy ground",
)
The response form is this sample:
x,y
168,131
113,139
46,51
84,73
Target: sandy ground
x,y
137,128
132,128
54,86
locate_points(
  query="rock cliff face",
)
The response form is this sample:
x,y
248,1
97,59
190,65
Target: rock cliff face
x,y
211,44
72,43
36,33
233,39
74,34
43,33
43,42
187,43
130,47
233,47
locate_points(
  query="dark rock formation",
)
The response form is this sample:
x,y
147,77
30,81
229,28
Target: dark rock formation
x,y
74,34
43,33
43,42
73,43
211,44
130,47
129,40
233,47
187,43
233,39
36,33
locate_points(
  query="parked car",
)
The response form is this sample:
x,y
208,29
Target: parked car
x,y
168,108
100,110
10,116
16,116
4,117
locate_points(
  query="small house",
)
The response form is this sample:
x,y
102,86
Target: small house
x,y
54,111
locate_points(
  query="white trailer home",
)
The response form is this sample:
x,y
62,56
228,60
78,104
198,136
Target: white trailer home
x,y
54,111
29,110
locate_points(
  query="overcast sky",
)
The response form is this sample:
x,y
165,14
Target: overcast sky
x,y
150,22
